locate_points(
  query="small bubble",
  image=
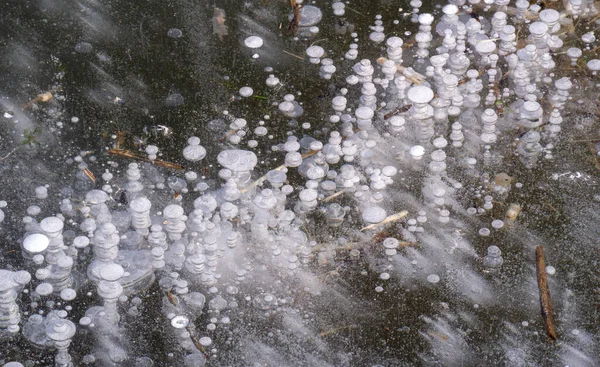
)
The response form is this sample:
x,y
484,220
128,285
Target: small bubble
x,y
433,278
174,33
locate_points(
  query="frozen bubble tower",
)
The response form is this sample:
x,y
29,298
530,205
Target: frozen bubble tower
x,y
412,132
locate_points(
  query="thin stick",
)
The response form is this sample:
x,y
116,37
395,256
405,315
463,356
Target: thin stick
x,y
10,153
545,300
333,196
337,329
291,54
128,154
389,219
356,11
409,74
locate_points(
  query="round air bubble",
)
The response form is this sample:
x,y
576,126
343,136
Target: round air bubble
x,y
594,65
286,107
83,47
364,113
433,278
315,173
44,289
96,197
85,321
41,192
68,294
497,223
194,153
246,91
174,33
193,140
237,160
440,143
420,94
550,270
391,243
308,195
36,243
253,42
111,272
374,214
484,232
173,100
205,341
51,224
293,159
180,322
309,16
352,79
261,131
265,301
33,210
272,81
588,37
485,47
416,151
315,52
338,8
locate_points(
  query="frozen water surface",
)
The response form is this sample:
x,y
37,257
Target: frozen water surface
x,y
215,184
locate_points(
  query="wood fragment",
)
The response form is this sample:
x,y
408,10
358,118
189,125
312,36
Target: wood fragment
x,y
333,196
354,11
545,300
128,154
294,55
196,342
90,175
389,219
396,111
173,299
512,213
438,335
120,140
43,97
408,73
294,23
218,21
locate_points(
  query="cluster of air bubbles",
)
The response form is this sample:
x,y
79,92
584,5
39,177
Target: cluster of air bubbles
x,y
404,164
194,152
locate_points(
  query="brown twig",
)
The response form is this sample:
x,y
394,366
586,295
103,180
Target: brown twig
x,y
44,97
389,219
294,23
337,329
396,111
128,154
545,300
291,54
